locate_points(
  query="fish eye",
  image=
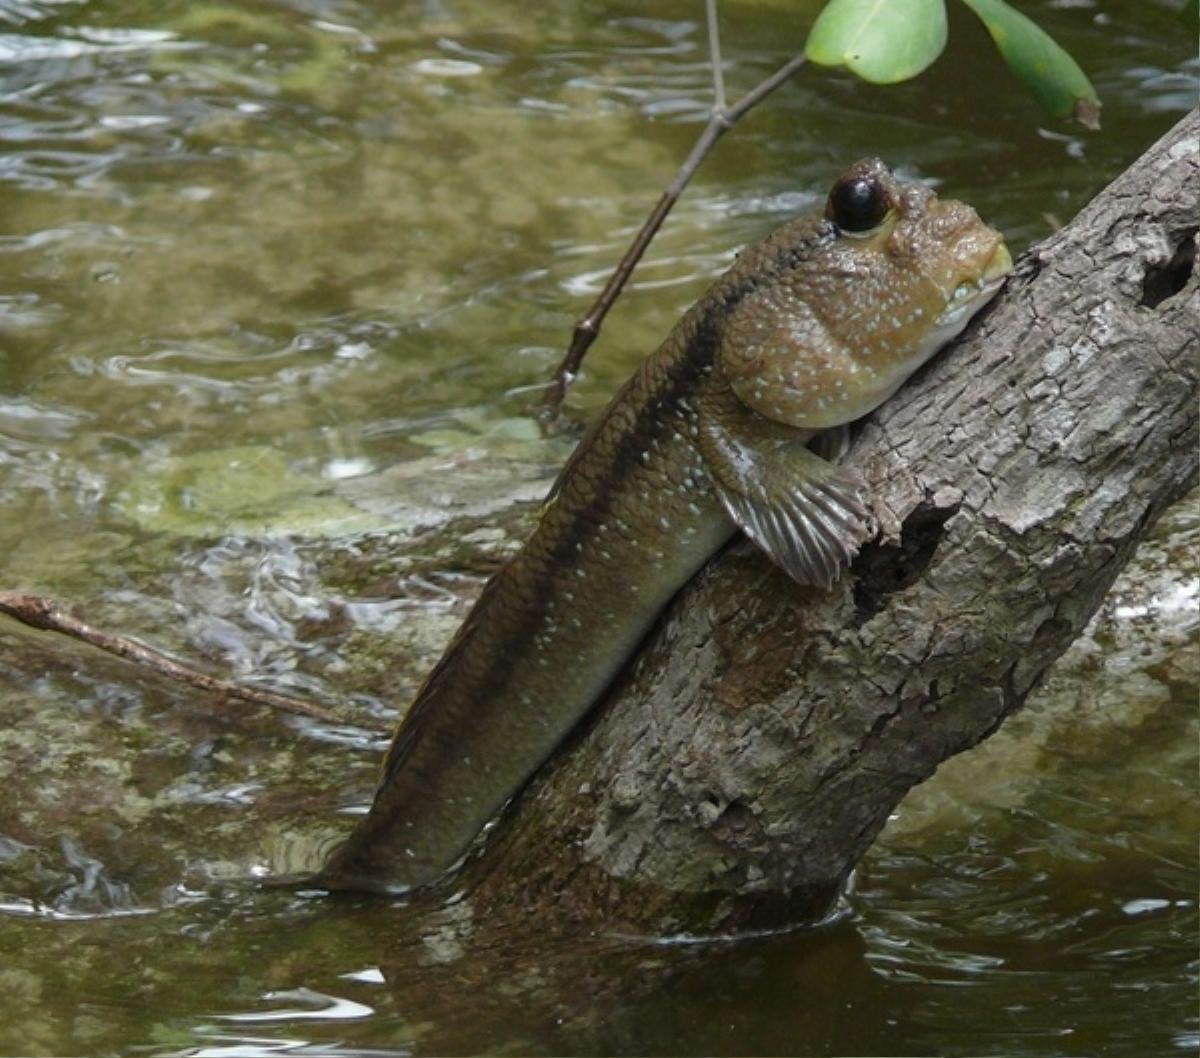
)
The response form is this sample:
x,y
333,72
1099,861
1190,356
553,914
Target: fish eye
x,y
858,203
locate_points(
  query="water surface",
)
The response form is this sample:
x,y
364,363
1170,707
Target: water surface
x,y
278,283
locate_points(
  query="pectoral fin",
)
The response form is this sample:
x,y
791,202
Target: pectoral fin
x,y
808,515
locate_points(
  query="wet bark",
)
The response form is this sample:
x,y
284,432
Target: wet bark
x,y
736,774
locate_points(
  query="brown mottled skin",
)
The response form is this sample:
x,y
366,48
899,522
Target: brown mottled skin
x,y
811,328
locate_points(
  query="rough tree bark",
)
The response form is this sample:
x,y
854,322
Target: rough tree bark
x,y
735,776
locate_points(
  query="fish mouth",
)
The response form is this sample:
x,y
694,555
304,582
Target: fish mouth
x,y
970,296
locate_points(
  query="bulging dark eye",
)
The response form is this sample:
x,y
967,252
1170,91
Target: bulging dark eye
x,y
858,203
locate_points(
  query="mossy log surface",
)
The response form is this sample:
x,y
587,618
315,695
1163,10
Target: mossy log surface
x,y
739,770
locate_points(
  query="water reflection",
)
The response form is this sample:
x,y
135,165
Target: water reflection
x,y
318,1007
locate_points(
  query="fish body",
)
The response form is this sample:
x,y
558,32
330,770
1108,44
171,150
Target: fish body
x,y
810,329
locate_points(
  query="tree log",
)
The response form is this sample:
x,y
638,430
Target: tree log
x,y
735,775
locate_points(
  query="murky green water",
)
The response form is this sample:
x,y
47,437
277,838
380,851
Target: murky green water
x,y
276,279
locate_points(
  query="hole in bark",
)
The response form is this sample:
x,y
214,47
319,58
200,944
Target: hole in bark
x,y
884,569
1164,281
737,815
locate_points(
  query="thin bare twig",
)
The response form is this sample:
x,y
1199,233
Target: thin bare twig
x,y
714,56
45,614
722,119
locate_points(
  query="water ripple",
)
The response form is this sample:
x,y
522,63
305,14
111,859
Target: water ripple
x,y
319,1007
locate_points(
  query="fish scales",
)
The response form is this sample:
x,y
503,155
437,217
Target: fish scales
x,y
631,518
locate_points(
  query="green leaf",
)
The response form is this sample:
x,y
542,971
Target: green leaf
x,y
883,41
1051,75
1190,13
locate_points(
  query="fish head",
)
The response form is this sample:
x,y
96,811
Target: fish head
x,y
855,300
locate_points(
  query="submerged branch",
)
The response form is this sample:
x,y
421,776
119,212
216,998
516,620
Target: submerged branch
x,y
46,615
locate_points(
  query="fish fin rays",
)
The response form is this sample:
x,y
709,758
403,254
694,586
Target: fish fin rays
x,y
809,516
811,531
